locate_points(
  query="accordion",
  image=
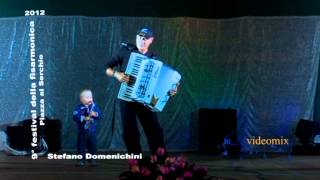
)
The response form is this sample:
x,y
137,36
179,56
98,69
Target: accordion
x,y
149,83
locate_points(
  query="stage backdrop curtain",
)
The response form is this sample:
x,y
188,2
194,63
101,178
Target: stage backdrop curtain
x,y
264,67
317,101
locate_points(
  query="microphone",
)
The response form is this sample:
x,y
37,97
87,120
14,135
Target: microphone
x,y
124,44
130,47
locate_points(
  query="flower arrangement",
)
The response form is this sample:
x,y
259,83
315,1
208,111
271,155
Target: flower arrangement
x,y
162,167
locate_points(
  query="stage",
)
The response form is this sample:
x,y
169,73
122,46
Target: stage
x,y
259,166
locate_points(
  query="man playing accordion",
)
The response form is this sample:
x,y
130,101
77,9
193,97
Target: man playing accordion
x,y
130,111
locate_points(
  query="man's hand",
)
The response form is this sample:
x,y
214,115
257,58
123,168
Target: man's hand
x,y
174,91
120,76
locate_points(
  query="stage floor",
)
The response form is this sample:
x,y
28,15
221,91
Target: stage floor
x,y
260,166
